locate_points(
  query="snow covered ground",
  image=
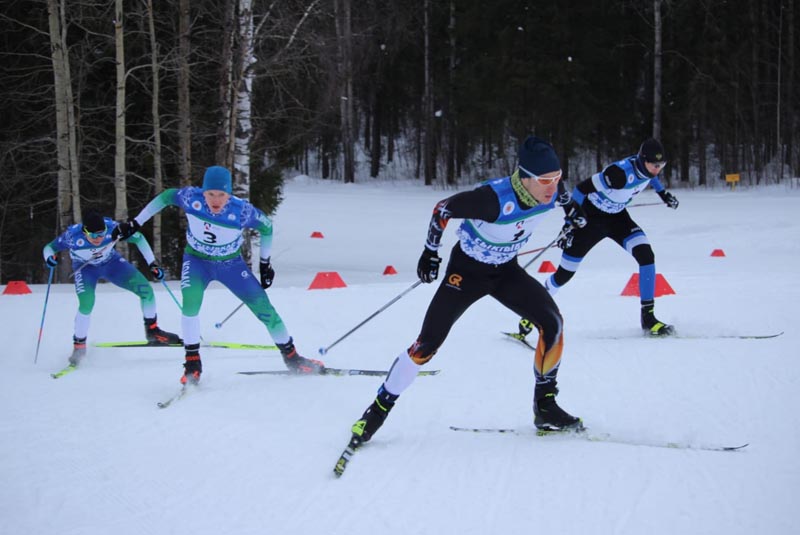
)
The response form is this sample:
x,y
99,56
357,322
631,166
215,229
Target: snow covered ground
x,y
91,454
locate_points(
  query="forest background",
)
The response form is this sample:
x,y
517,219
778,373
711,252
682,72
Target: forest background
x,y
103,104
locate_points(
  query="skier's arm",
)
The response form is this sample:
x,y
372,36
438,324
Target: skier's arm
x,y
54,247
168,197
255,219
141,243
480,203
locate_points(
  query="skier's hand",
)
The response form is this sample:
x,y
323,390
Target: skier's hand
x,y
156,271
575,215
428,266
51,261
669,199
125,229
565,237
267,273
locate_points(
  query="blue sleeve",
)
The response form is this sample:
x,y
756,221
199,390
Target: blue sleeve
x,y
657,185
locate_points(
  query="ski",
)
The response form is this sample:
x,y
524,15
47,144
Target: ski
x,y
223,345
338,372
601,437
700,336
518,337
61,373
345,457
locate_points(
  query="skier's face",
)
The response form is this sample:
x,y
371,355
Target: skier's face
x,y
216,199
543,187
95,238
654,167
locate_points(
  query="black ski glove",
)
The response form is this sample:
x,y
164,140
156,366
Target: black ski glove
x,y
267,273
428,266
156,271
575,215
51,261
125,229
565,237
669,199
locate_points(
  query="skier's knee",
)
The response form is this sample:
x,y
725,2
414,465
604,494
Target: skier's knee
x,y
644,255
421,352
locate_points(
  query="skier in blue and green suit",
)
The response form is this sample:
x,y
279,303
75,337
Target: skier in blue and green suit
x,y
91,249
214,239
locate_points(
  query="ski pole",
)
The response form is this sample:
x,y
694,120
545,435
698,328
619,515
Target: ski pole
x,y
172,295
112,244
532,251
646,204
44,310
324,350
546,247
235,310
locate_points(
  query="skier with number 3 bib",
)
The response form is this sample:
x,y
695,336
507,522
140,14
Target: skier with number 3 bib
x,y
214,239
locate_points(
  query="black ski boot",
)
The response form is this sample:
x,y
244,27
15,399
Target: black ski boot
x,y
373,417
651,325
297,363
525,328
156,337
193,366
78,350
548,416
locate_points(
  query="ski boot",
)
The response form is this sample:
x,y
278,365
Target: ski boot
x,y
156,337
373,417
548,416
651,325
297,363
525,328
78,350
193,366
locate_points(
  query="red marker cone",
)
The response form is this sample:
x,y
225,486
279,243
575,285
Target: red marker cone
x,y
662,286
317,234
390,270
547,267
325,280
16,288
717,252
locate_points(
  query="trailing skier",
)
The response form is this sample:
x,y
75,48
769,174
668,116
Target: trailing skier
x,y
91,248
608,194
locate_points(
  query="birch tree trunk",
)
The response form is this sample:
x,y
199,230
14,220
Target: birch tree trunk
x,y
223,152
72,127
243,108
158,179
60,59
184,107
120,187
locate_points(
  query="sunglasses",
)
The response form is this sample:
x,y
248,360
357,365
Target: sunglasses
x,y
95,235
544,180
